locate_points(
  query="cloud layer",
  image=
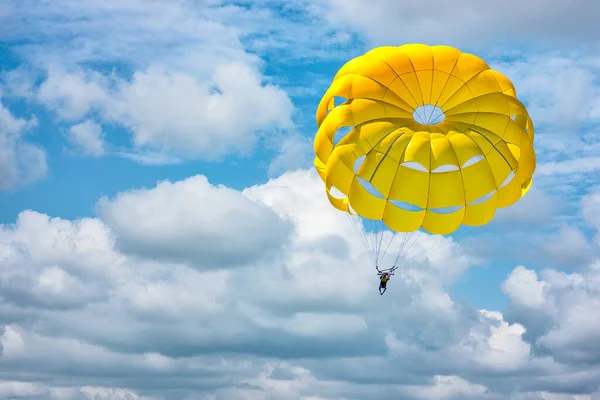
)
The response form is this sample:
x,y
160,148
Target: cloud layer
x,y
80,311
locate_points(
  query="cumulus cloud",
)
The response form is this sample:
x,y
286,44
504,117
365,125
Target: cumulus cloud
x,y
88,138
523,287
196,222
496,344
173,112
112,303
558,309
73,95
53,263
21,162
449,387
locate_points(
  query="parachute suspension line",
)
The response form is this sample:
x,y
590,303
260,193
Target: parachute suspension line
x,y
400,249
361,232
358,233
390,243
405,245
379,236
377,239
405,254
377,250
371,230
374,240
371,239
432,249
402,246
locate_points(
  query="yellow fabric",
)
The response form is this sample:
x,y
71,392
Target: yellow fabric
x,y
424,165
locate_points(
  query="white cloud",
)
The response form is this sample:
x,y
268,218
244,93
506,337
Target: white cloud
x,y
590,204
15,390
193,221
569,246
559,309
550,233
72,302
72,95
557,89
12,342
524,288
295,152
21,162
449,387
438,21
174,113
186,36
20,389
150,158
537,207
563,99
574,166
181,81
88,137
496,344
65,262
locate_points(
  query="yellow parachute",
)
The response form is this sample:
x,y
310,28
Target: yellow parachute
x,y
425,138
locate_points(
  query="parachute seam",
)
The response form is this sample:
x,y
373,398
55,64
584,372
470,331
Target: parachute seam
x,y
446,83
395,175
417,78
431,86
484,158
411,109
398,76
384,156
465,83
494,148
428,185
384,86
477,98
487,162
463,180
383,138
494,144
474,124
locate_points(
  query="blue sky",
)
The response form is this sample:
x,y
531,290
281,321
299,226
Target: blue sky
x,y
163,234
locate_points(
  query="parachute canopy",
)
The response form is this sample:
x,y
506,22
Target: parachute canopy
x,y
424,137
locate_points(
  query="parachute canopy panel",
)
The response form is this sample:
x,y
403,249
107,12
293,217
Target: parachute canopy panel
x,y
424,137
